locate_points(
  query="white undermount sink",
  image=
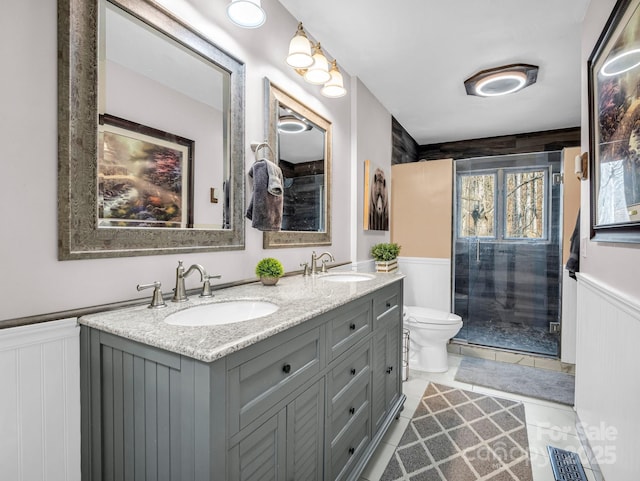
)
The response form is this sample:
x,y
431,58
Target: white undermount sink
x,y
220,313
347,277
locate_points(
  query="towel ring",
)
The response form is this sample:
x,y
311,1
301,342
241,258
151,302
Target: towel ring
x,y
256,146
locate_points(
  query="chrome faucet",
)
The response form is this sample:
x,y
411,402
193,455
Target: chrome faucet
x,y
180,292
315,259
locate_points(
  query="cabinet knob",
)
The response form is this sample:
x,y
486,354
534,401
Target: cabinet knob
x,y
352,410
352,326
353,371
351,451
388,304
389,369
286,368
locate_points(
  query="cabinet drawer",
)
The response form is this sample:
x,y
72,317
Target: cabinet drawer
x,y
348,408
387,301
348,448
259,383
348,372
349,326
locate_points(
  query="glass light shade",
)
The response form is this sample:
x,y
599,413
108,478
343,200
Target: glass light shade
x,y
334,88
246,13
300,50
501,84
318,73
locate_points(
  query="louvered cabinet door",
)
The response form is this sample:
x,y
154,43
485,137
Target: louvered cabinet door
x,y
387,360
305,416
260,456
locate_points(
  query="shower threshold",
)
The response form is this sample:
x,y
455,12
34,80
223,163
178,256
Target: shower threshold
x,y
464,348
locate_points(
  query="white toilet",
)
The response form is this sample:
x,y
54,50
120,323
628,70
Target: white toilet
x,y
429,332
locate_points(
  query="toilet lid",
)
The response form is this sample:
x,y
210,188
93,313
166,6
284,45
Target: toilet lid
x,y
427,315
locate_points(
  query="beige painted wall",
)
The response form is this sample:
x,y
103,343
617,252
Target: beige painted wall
x,y
421,203
571,199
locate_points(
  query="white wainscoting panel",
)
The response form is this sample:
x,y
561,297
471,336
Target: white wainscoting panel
x,y
40,402
428,282
607,379
568,325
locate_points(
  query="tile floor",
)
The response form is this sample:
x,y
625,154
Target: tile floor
x,y
547,423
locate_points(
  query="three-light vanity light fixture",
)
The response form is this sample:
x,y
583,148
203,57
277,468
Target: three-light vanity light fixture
x,y
308,60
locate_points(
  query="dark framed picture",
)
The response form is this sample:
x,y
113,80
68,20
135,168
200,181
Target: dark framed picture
x,y
145,176
614,127
376,198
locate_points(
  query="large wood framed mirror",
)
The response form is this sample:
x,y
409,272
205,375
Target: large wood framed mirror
x,y
151,134
301,140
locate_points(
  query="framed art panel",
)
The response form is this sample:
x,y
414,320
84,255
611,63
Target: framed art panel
x,y
376,198
144,176
614,127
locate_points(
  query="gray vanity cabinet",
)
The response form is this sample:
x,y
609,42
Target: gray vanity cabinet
x,y
309,403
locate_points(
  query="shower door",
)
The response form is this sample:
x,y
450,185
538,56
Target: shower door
x,y
507,251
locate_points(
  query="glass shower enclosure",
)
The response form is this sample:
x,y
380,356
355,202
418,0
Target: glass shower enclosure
x,y
507,251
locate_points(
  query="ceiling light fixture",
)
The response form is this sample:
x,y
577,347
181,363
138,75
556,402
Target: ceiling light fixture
x,y
289,124
621,63
246,13
309,61
501,80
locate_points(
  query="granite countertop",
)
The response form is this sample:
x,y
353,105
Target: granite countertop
x,y
299,299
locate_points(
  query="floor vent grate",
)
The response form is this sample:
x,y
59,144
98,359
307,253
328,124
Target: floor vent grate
x,y
566,465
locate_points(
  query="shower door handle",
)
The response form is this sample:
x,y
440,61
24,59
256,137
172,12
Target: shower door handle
x,y
477,250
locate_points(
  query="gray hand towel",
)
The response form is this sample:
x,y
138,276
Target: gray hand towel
x,y
265,209
275,178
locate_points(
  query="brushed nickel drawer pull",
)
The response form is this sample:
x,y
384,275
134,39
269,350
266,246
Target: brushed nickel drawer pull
x,y
353,371
388,304
286,368
352,326
352,410
351,451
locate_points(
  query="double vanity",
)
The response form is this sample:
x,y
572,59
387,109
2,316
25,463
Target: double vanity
x,y
298,381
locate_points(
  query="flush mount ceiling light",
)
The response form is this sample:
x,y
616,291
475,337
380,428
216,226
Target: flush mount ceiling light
x,y
289,124
246,13
501,80
309,61
621,63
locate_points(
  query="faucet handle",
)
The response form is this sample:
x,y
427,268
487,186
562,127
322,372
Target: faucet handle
x,y
206,285
157,301
324,265
305,266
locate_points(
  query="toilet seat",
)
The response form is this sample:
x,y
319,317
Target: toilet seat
x,y
425,315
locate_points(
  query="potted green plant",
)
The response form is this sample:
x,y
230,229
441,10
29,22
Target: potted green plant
x,y
269,270
386,256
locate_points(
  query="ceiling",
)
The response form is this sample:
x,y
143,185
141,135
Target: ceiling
x,y
414,56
